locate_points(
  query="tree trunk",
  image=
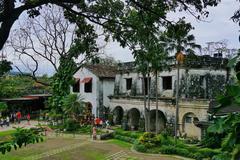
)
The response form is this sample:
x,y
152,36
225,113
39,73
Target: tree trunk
x,y
177,107
156,79
148,110
145,103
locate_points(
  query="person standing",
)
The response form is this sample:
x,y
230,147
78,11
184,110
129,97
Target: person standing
x,y
94,133
19,116
28,118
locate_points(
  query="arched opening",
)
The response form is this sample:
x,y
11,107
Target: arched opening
x,y
133,118
188,125
161,120
87,114
118,115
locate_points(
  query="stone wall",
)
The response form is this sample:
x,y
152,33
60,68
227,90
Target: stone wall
x,y
198,108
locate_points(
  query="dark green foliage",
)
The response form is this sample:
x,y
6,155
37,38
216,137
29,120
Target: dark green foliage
x,y
139,147
132,134
124,138
86,129
174,150
207,152
61,84
73,107
215,85
3,107
71,125
178,39
17,86
222,156
5,66
21,137
25,136
212,140
228,127
151,143
192,86
149,140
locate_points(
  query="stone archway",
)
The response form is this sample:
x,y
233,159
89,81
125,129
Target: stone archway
x,y
161,119
188,125
118,115
133,117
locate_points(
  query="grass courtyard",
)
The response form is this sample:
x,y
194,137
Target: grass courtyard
x,y
80,147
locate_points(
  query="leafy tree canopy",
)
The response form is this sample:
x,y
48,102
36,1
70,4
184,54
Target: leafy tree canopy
x,y
17,86
109,14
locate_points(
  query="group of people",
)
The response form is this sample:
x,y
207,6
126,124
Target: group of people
x,y
14,117
98,122
4,121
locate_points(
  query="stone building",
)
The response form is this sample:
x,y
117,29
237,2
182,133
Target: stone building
x,y
201,79
94,83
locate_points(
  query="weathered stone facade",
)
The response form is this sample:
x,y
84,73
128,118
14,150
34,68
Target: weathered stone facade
x,y
198,86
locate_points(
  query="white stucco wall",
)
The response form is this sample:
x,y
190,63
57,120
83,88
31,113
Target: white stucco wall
x,y
108,89
102,86
88,97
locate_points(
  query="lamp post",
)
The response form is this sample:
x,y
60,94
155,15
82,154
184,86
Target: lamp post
x,y
179,59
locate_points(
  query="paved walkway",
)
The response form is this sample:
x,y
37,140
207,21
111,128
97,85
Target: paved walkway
x,y
23,124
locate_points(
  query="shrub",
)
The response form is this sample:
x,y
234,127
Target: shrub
x,y
179,151
71,125
85,129
191,141
130,134
222,156
197,156
124,138
208,152
165,140
150,140
139,147
212,140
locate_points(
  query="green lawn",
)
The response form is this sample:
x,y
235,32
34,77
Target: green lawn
x,y
87,150
120,143
33,149
7,133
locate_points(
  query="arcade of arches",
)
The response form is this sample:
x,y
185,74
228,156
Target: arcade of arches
x,y
133,116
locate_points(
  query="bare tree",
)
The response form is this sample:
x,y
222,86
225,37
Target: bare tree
x,y
48,37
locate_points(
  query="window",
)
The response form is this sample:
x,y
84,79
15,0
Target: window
x,y
76,85
88,87
87,84
167,82
188,119
201,80
146,85
128,83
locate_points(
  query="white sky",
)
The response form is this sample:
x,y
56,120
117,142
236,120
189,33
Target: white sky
x,y
218,27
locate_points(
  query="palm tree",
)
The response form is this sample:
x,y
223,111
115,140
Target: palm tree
x,y
178,40
73,106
